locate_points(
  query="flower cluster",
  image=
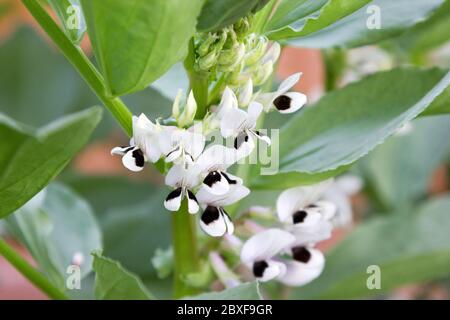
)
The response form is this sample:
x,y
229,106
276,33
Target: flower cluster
x,y
288,253
198,172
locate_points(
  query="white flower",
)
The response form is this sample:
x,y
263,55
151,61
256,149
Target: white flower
x,y
265,254
144,146
211,167
301,212
245,93
241,125
227,102
182,180
306,265
260,251
182,145
339,193
214,220
282,100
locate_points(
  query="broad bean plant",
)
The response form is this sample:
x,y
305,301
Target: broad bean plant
x,y
236,184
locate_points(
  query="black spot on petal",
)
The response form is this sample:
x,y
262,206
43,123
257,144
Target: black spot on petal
x,y
139,157
227,177
174,194
240,139
191,196
299,216
282,102
301,254
212,178
210,215
259,267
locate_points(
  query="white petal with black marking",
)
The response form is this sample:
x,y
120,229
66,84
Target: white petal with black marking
x,y
212,222
289,102
236,193
312,233
266,270
262,137
173,200
134,160
228,222
307,265
121,150
294,199
215,183
193,206
265,245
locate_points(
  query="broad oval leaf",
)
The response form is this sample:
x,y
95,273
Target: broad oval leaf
x,y
408,247
135,42
59,229
377,21
217,14
348,123
71,17
29,161
400,170
299,18
246,291
113,282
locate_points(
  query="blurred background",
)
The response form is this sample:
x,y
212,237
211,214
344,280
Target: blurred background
x,y
37,85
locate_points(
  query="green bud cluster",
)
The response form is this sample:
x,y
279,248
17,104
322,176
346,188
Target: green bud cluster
x,y
234,51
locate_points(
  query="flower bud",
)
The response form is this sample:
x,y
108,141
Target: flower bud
x,y
176,105
219,42
272,54
205,44
188,114
245,93
228,59
257,52
207,62
241,28
263,73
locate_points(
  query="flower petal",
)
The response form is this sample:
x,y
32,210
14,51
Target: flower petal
x,y
266,270
233,122
300,197
121,151
212,222
327,209
134,160
235,193
215,157
193,206
228,102
228,222
288,83
310,234
254,111
244,145
263,137
215,183
173,200
299,273
266,244
246,93
290,102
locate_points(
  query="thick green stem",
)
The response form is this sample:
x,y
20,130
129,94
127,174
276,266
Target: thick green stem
x,y
198,81
82,64
184,243
35,277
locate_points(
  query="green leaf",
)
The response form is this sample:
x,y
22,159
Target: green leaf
x,y
400,170
217,14
299,18
352,31
246,291
409,248
441,105
135,42
133,219
55,226
28,162
346,124
71,16
113,282
428,34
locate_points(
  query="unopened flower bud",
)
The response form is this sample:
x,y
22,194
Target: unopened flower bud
x,y
263,73
188,114
219,42
223,272
272,54
204,46
241,28
257,52
245,93
230,58
176,105
207,62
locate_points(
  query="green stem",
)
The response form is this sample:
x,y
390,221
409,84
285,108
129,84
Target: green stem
x,y
81,63
198,81
184,243
35,277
